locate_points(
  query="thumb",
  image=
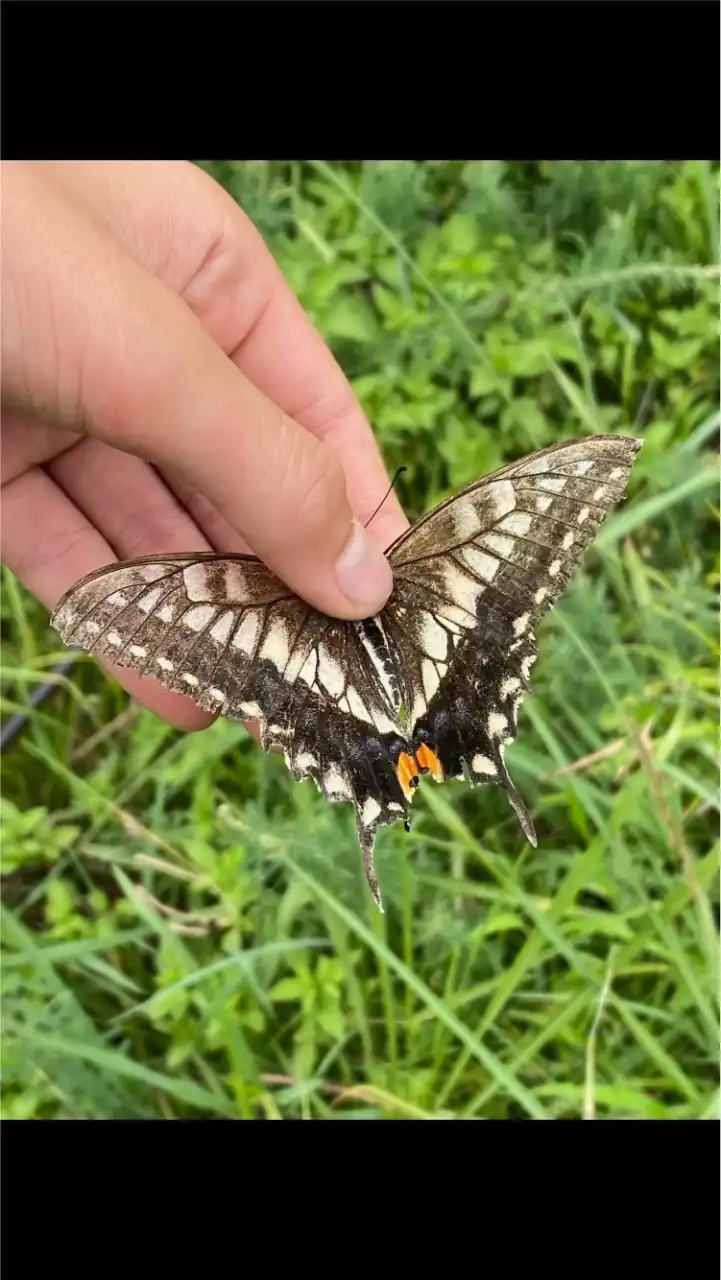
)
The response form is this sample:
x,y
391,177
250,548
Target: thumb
x,y
91,338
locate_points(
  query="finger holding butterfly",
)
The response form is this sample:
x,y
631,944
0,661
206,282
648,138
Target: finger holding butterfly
x,y
95,338
184,229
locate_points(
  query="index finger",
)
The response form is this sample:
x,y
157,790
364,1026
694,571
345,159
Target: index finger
x,y
285,356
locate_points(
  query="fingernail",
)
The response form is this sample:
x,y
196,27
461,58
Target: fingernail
x,y
362,571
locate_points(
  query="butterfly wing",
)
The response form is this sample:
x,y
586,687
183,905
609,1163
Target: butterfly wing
x,y
226,631
434,682
195,623
472,580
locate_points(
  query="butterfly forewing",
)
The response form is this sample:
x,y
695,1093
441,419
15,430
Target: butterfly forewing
x,y
433,683
196,623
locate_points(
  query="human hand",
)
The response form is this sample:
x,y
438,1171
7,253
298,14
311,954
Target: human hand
x,y
164,391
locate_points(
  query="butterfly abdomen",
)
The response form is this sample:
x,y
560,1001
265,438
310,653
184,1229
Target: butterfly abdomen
x,y
376,646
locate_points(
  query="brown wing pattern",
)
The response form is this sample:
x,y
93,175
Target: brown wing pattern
x,y
434,682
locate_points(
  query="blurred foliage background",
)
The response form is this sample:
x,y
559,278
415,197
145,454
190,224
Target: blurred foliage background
x,y
187,933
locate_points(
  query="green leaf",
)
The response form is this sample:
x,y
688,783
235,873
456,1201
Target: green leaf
x,y
331,1020
351,319
288,989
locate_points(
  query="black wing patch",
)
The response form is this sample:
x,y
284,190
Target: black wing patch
x,y
433,683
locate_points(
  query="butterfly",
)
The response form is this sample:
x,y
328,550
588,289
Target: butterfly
x,y
433,683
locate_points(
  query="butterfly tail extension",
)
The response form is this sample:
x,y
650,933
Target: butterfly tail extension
x,y
381,799
483,769
522,813
366,840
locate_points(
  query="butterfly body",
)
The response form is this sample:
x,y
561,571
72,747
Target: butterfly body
x,y
431,684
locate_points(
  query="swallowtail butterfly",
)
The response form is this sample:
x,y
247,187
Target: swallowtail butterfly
x,y
432,684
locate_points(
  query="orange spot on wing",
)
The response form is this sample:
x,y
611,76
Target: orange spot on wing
x,y
406,770
427,759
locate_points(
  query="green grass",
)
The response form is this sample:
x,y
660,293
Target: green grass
x,y
186,932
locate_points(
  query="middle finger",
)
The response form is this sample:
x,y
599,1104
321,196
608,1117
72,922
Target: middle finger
x,y
126,500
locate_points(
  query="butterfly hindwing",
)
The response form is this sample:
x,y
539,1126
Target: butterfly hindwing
x,y
433,683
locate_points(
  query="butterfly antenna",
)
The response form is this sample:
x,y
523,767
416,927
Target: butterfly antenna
x,y
398,473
